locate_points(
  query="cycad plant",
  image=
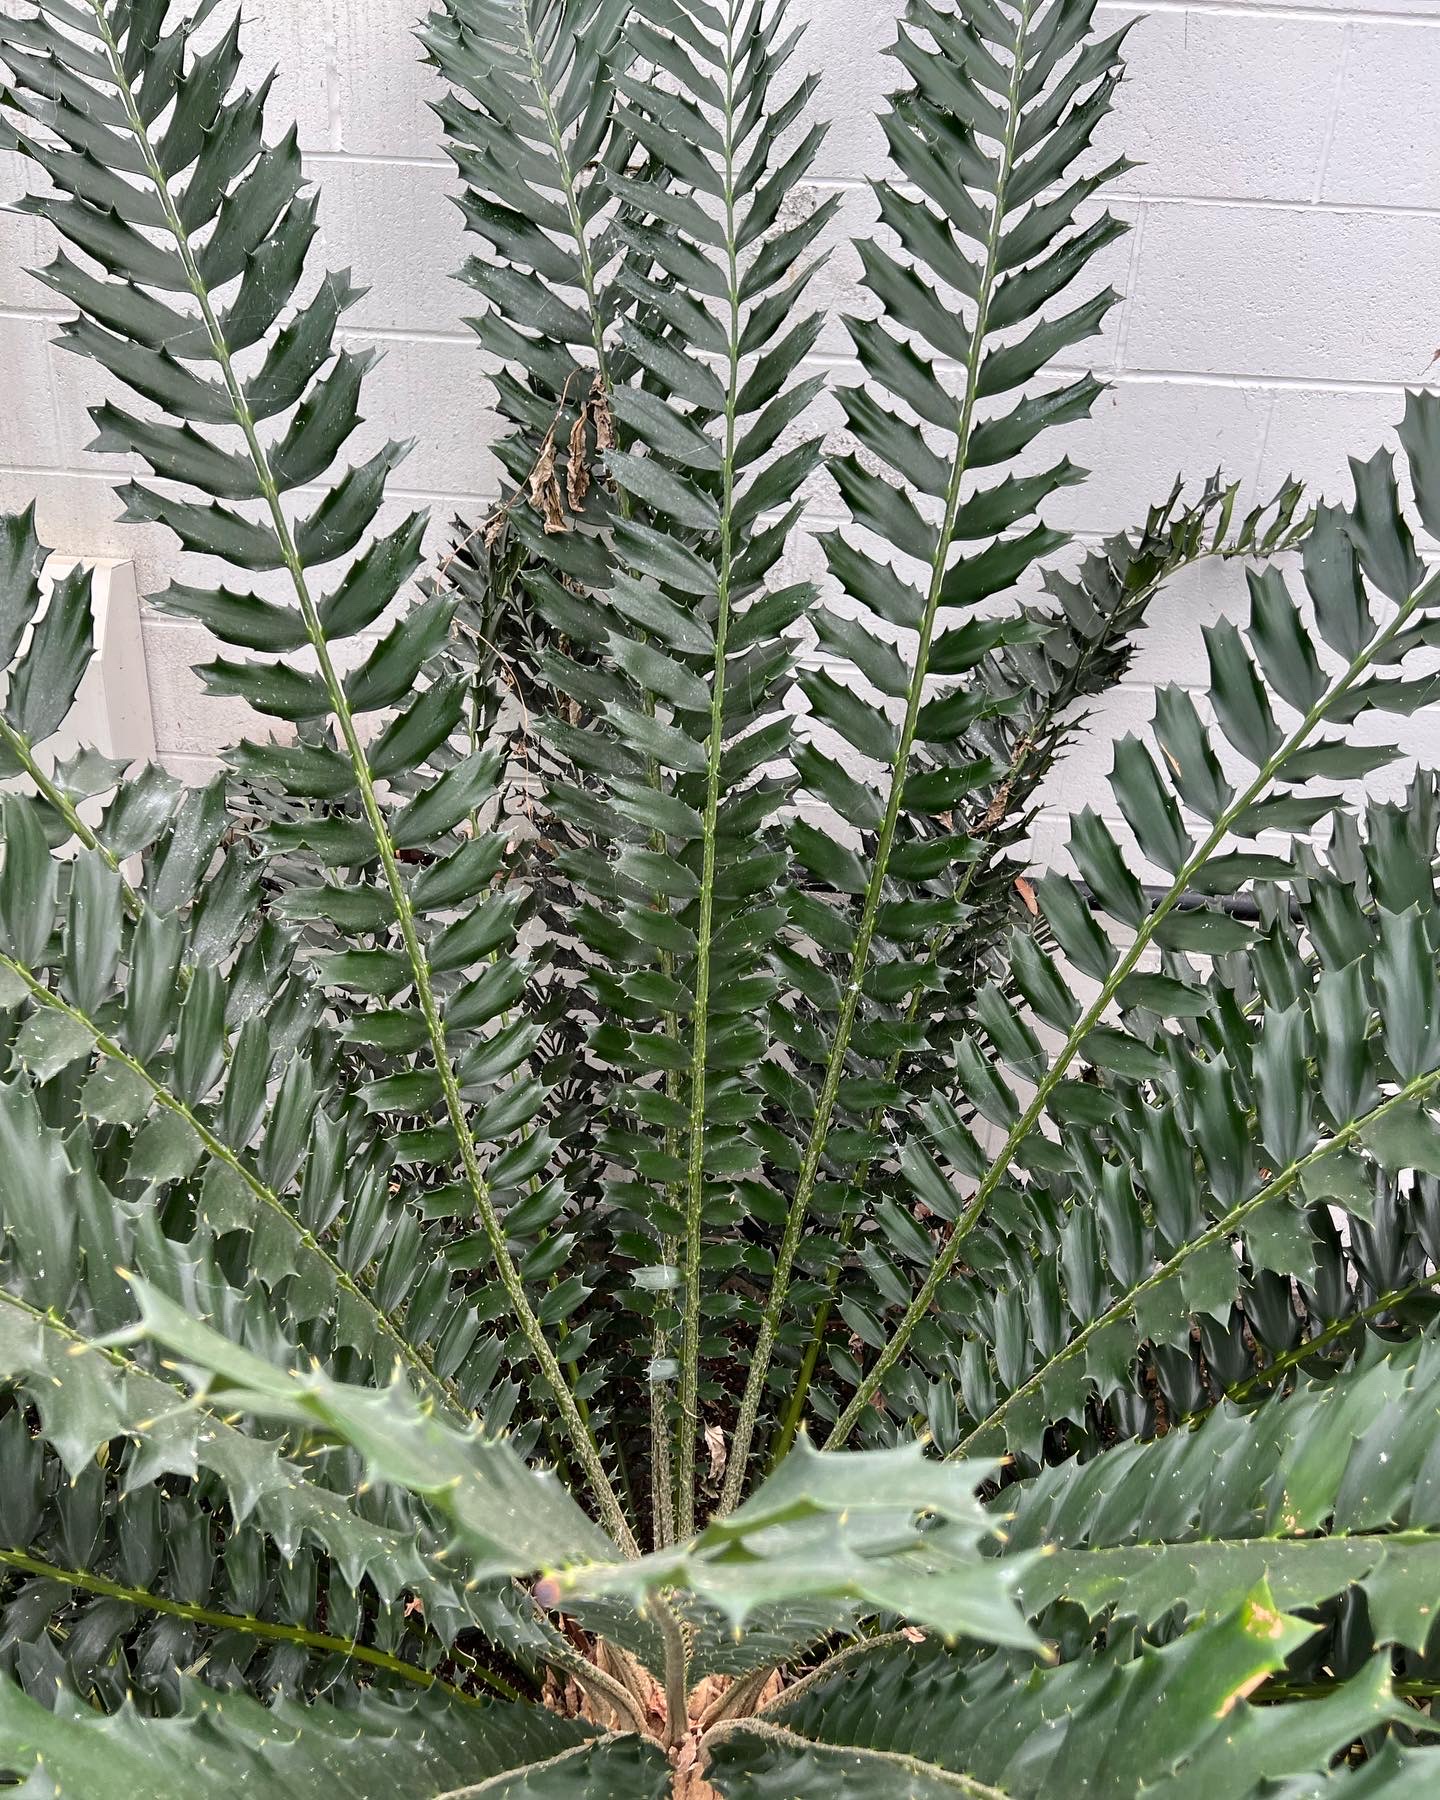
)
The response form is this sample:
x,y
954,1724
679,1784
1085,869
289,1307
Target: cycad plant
x,y
578,1224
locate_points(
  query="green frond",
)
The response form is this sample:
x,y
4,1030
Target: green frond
x,y
996,114
174,230
603,1015
841,1528
368,1751
1236,1122
530,125
1022,712
1319,1492
1174,1719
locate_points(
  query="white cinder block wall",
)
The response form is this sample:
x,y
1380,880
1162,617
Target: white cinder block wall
x,y
1281,281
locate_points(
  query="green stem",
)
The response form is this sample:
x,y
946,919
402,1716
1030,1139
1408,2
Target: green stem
x,y
1281,1365
561,1655
87,1582
568,187
893,1771
832,1665
1027,770
553,1771
662,1474
1095,1012
1417,1089
81,1344
1239,1392
56,797
874,892
1281,1692
164,1391
223,1153
530,1326
677,1687
738,1700
662,1497
795,1411
700,1017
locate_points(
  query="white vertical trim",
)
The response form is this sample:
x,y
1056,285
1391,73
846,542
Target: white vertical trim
x,y
112,709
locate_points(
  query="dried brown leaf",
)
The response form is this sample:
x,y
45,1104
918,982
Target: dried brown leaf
x,y
690,1782
545,488
637,1680
997,809
577,469
705,1693
602,417
715,1444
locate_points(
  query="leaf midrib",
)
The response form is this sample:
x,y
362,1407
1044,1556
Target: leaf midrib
x,y
663,1498
531,1329
222,1152
1094,1013
695,1180
1419,1088
270,1630
835,1065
